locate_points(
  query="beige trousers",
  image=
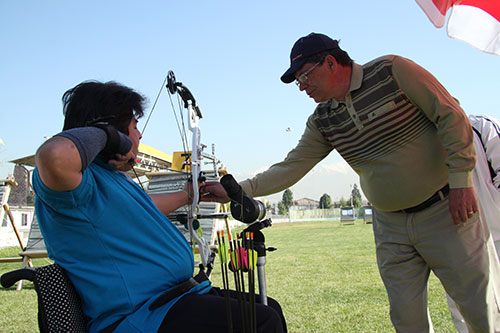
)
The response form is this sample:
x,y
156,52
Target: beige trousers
x,y
409,246
456,316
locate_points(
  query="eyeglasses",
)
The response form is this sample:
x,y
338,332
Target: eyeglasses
x,y
304,76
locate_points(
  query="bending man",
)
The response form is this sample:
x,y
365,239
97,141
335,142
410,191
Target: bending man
x,y
411,145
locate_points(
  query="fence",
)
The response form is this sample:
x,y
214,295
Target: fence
x,y
296,215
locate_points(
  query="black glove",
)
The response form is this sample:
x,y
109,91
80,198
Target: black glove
x,y
117,141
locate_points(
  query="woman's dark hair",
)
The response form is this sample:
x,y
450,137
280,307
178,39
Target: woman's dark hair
x,y
92,101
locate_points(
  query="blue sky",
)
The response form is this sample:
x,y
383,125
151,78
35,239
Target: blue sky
x,y
230,55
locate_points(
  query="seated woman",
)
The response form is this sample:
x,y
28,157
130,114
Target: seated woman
x,y
114,240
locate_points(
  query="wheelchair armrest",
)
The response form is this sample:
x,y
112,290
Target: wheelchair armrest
x,y
9,278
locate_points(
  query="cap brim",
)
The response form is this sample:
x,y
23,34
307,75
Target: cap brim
x,y
289,75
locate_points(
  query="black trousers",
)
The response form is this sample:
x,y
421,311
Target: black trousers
x,y
207,313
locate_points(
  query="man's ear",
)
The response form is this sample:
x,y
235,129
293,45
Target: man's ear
x,y
331,62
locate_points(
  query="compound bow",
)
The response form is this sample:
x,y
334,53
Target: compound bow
x,y
194,115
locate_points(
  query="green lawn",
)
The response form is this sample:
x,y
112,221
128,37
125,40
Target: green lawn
x,y
324,275
18,308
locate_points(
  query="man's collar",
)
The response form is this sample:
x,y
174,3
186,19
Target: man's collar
x,y
356,77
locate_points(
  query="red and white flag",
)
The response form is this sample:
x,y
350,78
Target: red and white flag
x,y
476,22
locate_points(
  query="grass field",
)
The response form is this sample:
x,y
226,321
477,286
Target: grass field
x,y
324,275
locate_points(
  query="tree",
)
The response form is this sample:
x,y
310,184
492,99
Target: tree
x,y
325,201
356,196
282,210
287,199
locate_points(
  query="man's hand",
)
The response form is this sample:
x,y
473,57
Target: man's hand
x,y
213,191
463,204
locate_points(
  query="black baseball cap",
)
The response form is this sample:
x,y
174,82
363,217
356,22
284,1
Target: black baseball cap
x,y
305,47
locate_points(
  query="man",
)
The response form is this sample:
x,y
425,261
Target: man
x,y
487,184
486,172
411,145
122,254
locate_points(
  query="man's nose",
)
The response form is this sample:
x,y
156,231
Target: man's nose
x,y
303,86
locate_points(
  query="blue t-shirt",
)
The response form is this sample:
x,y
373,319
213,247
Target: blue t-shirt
x,y
118,249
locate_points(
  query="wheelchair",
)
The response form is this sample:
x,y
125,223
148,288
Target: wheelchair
x,y
59,306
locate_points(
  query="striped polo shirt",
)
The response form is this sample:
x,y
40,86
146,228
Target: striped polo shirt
x,y
398,128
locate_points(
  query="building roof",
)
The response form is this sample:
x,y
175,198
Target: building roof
x,y
152,157
154,152
305,201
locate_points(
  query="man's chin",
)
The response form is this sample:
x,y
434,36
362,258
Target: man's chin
x,y
319,100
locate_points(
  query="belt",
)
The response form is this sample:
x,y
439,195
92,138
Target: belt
x,y
167,296
160,300
112,327
173,293
438,196
178,290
